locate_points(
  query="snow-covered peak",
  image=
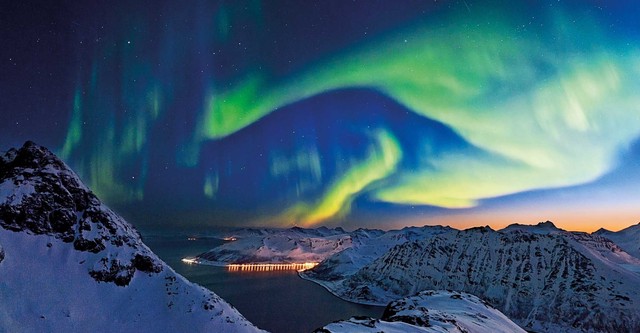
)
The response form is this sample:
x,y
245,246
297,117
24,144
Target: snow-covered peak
x,y
40,195
432,311
295,245
540,228
69,263
628,239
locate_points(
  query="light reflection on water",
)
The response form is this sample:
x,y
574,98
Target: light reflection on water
x,y
271,267
275,300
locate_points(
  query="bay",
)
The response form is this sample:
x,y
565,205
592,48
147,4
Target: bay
x,y
277,301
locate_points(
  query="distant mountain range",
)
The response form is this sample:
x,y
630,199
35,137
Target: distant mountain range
x,y
295,245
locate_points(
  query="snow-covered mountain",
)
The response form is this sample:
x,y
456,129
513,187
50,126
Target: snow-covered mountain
x,y
557,281
628,239
68,263
367,246
540,228
431,311
294,245
336,248
541,276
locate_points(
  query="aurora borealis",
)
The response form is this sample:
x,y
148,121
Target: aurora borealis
x,y
372,114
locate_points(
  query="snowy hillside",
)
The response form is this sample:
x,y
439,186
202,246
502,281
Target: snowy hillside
x,y
367,245
558,281
628,239
295,245
352,250
431,311
68,263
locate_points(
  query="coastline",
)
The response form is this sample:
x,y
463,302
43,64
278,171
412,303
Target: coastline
x,y
327,286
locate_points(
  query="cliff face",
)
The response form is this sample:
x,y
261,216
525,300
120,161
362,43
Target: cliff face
x,y
44,197
65,258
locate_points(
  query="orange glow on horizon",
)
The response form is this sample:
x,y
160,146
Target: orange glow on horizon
x,y
588,220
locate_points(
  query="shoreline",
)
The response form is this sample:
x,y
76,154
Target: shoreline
x,y
258,266
332,292
301,274
323,284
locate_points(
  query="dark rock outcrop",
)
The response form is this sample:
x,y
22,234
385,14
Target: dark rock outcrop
x,y
44,197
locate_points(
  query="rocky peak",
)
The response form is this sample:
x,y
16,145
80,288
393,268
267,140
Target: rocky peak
x,y
40,195
540,228
30,156
602,231
483,230
547,224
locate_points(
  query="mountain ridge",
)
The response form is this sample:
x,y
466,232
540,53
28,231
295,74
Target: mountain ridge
x,y
565,281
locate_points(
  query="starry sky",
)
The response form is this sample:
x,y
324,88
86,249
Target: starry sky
x,y
340,113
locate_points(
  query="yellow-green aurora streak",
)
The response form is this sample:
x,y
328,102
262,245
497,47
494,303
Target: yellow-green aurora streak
x,y
381,161
549,114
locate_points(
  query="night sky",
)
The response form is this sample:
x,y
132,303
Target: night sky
x,y
339,113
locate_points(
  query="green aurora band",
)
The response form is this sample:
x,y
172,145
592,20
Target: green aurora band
x,y
551,111
381,161
550,106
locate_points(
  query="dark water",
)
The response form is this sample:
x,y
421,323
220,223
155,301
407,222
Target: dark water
x,y
275,301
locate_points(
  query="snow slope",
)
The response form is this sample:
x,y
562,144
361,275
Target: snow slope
x,y
431,311
367,245
294,245
628,238
560,281
68,263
